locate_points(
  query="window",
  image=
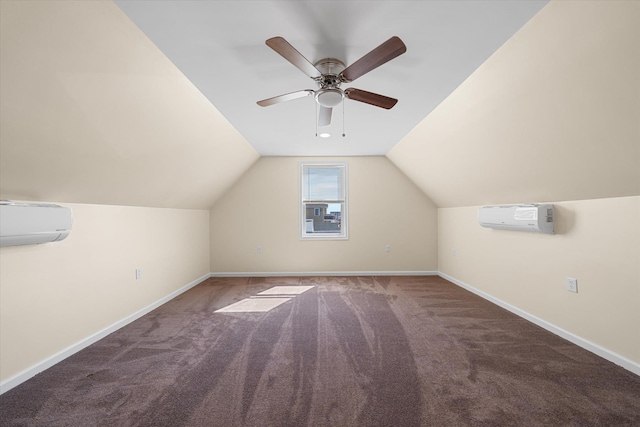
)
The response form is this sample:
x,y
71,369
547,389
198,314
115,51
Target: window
x,y
323,200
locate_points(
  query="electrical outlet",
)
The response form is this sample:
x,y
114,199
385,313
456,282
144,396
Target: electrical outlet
x,y
138,273
387,248
572,284
259,249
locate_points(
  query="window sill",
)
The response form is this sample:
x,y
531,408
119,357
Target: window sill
x,y
324,237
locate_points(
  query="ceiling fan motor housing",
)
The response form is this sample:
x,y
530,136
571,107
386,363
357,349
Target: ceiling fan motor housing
x,y
330,66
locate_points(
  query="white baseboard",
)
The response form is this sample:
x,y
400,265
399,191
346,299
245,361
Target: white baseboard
x,y
609,355
23,376
322,273
30,372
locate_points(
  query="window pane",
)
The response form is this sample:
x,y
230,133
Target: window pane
x,y
322,183
328,220
323,204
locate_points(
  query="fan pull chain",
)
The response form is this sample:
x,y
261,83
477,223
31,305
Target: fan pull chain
x,y
316,119
343,103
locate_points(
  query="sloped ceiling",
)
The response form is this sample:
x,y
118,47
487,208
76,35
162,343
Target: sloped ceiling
x,y
220,47
92,112
553,115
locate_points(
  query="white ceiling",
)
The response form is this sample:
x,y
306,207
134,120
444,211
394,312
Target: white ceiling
x,y
219,46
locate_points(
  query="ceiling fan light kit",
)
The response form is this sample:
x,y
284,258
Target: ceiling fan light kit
x,y
330,73
329,97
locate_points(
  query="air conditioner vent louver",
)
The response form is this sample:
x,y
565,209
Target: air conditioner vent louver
x,y
33,223
537,218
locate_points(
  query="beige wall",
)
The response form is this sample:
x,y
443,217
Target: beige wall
x,y
56,294
597,242
262,209
553,115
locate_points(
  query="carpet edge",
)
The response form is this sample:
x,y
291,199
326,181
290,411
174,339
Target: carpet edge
x,y
594,348
321,273
45,364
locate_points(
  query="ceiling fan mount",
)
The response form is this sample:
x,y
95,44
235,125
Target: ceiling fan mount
x,y
330,73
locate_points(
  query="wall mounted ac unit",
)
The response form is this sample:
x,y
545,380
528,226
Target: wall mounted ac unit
x,y
29,223
538,218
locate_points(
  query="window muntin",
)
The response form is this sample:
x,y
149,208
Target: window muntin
x,y
323,200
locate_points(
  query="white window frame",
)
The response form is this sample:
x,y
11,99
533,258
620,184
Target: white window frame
x,y
344,233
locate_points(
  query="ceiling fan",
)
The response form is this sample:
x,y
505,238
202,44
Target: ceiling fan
x,y
330,73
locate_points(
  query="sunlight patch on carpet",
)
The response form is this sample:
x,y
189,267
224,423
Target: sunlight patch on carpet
x,y
266,300
285,290
252,305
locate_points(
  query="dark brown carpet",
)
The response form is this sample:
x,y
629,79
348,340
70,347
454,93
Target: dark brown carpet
x,y
352,351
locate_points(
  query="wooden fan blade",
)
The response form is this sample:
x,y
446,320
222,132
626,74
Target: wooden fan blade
x,y
288,52
370,98
285,97
384,53
324,116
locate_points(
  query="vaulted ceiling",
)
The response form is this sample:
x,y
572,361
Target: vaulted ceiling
x,y
220,47
153,103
